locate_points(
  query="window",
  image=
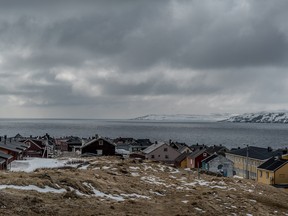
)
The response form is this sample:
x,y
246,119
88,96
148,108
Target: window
x,y
100,142
165,149
166,156
220,167
158,155
204,154
267,175
152,156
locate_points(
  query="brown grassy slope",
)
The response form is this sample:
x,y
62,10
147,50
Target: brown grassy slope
x,y
164,191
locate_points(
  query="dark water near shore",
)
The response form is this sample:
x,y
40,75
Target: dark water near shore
x,y
210,133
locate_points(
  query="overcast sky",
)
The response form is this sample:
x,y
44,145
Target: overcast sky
x,y
127,58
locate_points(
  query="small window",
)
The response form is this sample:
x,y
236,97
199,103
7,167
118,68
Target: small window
x,y
165,149
166,156
100,142
204,154
220,167
158,155
152,156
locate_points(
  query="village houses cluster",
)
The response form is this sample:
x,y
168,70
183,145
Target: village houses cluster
x,y
264,165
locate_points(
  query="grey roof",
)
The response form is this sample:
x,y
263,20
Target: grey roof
x,y
10,147
273,164
153,147
256,152
211,157
2,161
196,153
4,155
94,140
181,157
215,148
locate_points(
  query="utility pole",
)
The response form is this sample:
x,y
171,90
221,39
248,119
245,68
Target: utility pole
x,y
247,154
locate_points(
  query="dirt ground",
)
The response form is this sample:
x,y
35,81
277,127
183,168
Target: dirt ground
x,y
135,187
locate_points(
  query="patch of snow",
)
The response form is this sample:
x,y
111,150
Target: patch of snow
x,y
134,168
46,189
135,195
198,209
185,201
238,177
98,193
154,180
31,164
105,167
157,193
135,174
84,167
185,117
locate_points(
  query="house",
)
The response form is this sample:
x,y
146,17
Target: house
x,y
70,143
161,152
7,160
139,145
246,160
273,172
36,148
2,164
194,158
218,149
98,146
218,164
181,160
181,147
11,150
198,147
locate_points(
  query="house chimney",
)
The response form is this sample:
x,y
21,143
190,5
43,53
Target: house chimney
x,y
10,139
5,138
269,149
96,136
0,138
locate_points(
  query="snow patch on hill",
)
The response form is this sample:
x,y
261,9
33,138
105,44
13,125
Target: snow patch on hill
x,y
185,117
261,117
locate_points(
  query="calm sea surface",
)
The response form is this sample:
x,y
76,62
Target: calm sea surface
x,y
210,133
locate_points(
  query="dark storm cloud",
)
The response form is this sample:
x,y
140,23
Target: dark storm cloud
x,y
60,53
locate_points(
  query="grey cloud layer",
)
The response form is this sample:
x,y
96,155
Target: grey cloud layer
x,y
130,53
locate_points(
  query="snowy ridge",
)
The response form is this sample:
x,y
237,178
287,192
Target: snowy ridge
x,y
185,117
261,117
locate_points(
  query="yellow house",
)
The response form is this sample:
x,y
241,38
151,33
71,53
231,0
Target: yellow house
x,y
273,172
246,160
181,160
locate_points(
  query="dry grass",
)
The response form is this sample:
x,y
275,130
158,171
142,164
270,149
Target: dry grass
x,y
167,190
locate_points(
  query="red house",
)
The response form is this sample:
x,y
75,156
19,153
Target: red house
x,y
194,158
36,148
5,159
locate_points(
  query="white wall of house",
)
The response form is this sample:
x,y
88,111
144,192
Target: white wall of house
x,y
221,163
163,153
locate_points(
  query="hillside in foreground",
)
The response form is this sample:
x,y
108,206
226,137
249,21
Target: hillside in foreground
x,y
111,186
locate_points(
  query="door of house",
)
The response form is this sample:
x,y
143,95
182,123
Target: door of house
x,y
99,152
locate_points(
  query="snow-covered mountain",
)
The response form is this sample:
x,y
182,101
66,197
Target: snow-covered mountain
x,y
185,117
261,117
